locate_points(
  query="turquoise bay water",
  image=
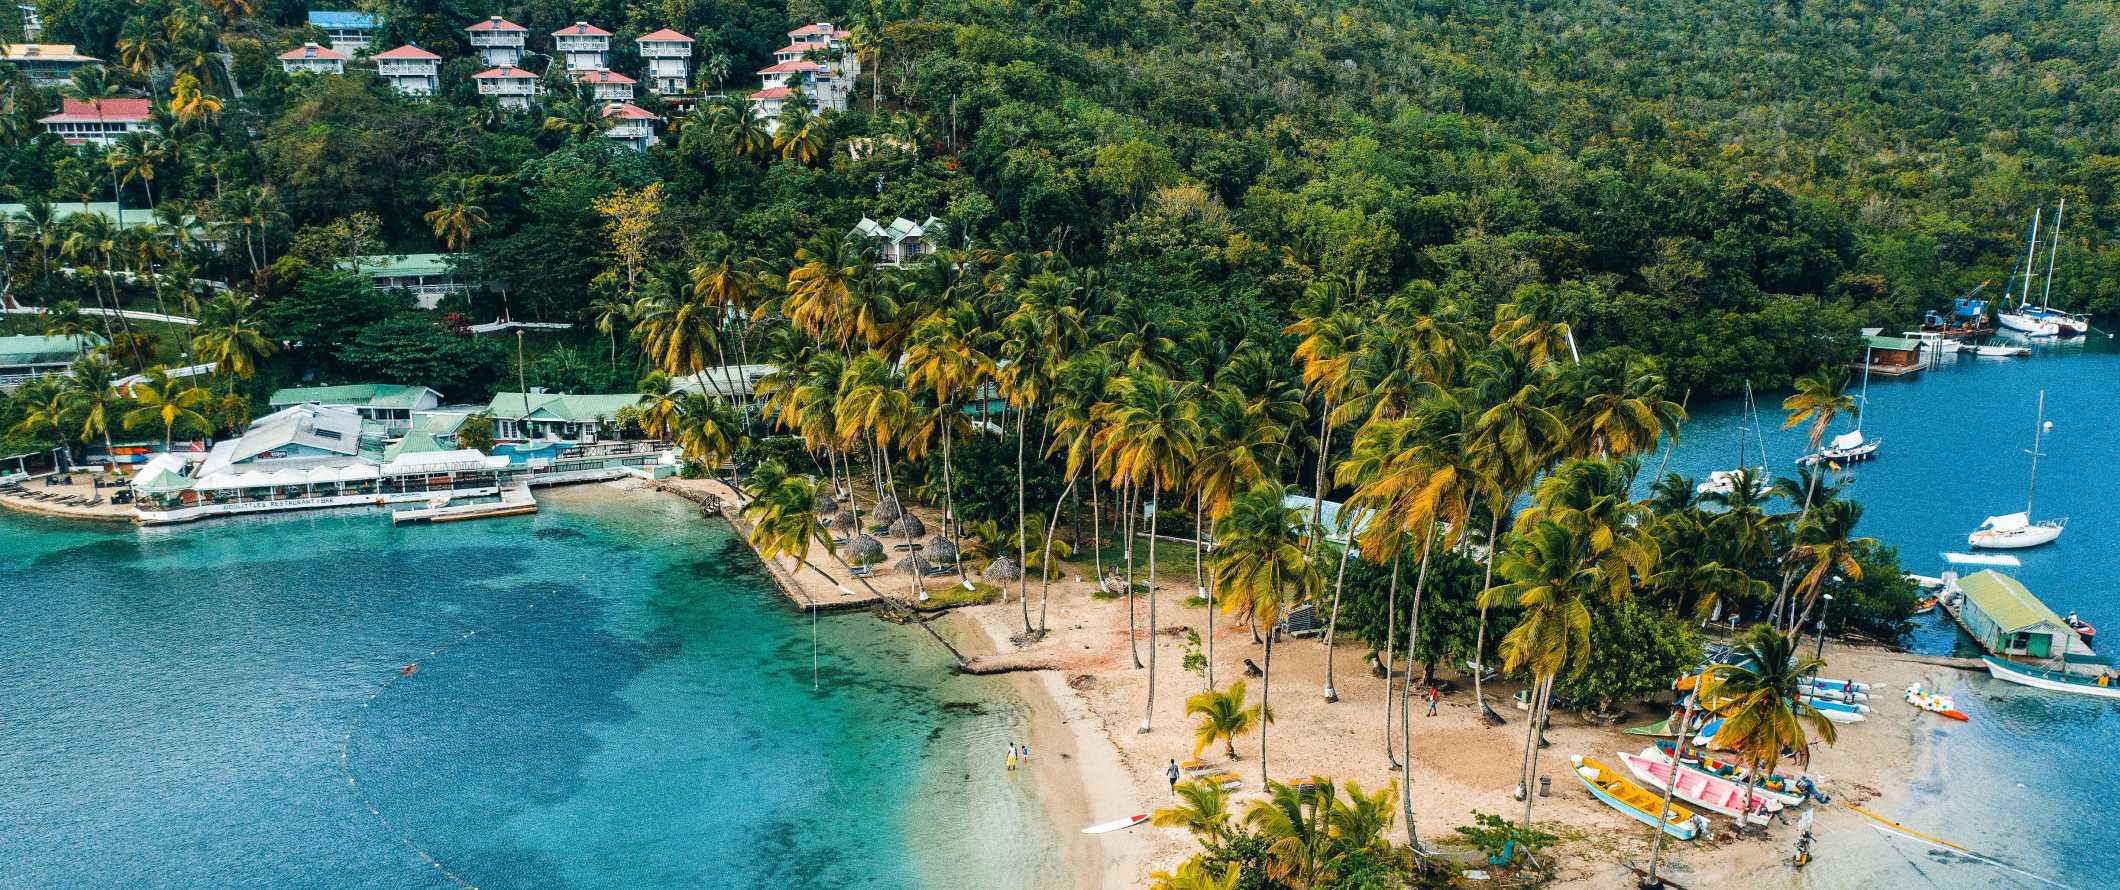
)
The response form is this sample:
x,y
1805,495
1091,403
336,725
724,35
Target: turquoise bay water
x,y
2028,780
632,707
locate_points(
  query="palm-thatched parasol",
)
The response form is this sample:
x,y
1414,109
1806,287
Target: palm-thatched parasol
x,y
887,510
1003,569
914,565
826,504
939,549
845,523
908,526
864,548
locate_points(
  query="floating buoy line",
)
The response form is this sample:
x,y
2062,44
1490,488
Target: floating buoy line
x,y
346,766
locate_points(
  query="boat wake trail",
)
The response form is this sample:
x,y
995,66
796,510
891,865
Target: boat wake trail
x,y
346,766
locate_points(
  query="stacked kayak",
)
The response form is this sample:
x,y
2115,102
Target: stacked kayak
x,y
1935,702
1838,712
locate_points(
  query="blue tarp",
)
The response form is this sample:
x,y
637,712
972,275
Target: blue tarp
x,y
1970,308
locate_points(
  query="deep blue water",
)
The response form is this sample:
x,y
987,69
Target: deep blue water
x,y
608,694
2029,778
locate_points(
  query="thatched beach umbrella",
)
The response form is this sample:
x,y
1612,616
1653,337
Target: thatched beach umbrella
x,y
939,549
887,510
844,523
1003,569
826,504
914,565
863,548
908,526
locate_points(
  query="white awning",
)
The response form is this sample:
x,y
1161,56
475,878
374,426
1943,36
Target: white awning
x,y
324,475
218,482
360,473
288,477
460,460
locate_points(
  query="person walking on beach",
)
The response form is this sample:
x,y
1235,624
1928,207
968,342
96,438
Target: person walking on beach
x,y
1172,775
1012,756
1432,698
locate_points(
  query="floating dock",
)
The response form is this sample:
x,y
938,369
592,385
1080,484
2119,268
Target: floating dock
x,y
515,500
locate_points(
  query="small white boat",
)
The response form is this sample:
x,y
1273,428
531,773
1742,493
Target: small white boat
x,y
1925,582
2052,681
1836,701
1935,342
1839,685
1724,482
1842,695
1999,349
1846,448
2027,324
2014,531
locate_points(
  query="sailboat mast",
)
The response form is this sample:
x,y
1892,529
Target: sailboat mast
x,y
1862,406
1741,426
2046,296
2038,427
2031,259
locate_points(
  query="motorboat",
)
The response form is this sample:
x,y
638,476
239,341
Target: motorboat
x,y
1783,788
2081,627
1935,342
1724,482
2101,686
2001,349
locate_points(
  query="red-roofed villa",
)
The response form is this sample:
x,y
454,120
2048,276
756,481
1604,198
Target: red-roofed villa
x,y
101,123
410,70
583,46
668,54
313,59
499,42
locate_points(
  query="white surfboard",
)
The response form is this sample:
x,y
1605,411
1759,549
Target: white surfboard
x,y
1116,824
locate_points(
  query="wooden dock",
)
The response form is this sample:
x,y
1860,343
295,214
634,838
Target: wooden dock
x,y
515,500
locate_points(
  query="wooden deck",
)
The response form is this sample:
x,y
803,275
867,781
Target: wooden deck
x,y
514,501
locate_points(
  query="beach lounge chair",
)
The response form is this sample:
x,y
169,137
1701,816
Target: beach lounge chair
x,y
939,571
96,501
1301,621
860,571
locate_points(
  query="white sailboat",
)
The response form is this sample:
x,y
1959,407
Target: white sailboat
x,y
2019,320
2068,324
1725,482
1850,447
2015,531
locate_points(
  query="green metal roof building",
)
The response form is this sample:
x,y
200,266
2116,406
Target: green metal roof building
x,y
388,404
426,275
2008,620
29,356
565,416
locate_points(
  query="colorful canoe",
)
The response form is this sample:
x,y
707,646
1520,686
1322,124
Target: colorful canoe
x,y
1775,785
1716,795
1635,801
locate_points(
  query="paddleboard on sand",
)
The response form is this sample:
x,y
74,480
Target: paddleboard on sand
x,y
1116,824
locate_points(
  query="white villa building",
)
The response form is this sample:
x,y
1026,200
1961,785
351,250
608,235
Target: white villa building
x,y
668,55
607,86
902,241
45,64
631,125
583,46
427,276
347,31
512,87
389,405
101,123
310,58
818,62
410,70
499,42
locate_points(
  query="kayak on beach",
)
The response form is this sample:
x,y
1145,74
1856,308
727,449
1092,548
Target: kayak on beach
x,y
1116,824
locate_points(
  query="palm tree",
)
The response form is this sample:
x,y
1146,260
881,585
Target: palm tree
x,y
783,515
800,137
1512,439
1195,874
820,292
1326,353
45,407
167,403
1241,442
456,218
1310,832
191,103
1825,544
1152,430
229,337
1203,809
1224,716
93,84
90,400
743,131
1760,697
1261,566
576,116
1549,573
1819,398
708,430
679,336
944,356
610,312
134,158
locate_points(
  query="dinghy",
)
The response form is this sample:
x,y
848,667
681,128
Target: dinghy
x,y
1840,695
1635,801
1116,824
1716,795
1782,788
1833,701
1837,712
1828,683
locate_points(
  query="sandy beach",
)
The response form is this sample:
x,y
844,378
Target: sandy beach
x,y
1094,763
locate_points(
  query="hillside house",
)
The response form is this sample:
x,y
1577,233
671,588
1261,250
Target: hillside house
x,y
410,70
46,64
512,87
387,404
310,58
607,86
668,55
26,358
347,31
902,241
499,42
582,46
100,123
631,125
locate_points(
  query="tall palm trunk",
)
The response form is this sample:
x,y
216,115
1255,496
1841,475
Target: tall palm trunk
x,y
949,494
1045,564
1022,533
1265,699
1129,493
1479,645
1317,491
1332,622
1390,656
1096,522
1200,577
1540,700
1151,710
1413,638
1810,491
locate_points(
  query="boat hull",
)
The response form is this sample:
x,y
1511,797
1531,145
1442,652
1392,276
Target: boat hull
x,y
1857,454
2011,672
1684,830
1770,788
2027,324
2015,539
1701,790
